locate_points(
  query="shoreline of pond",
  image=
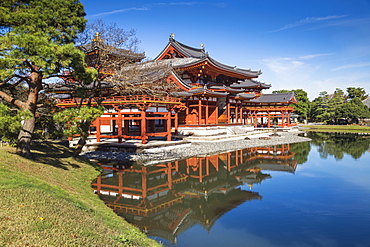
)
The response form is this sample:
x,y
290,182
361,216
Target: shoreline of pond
x,y
52,194
177,152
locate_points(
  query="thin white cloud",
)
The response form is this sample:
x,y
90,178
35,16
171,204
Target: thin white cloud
x,y
309,20
350,66
316,55
120,11
361,22
289,73
190,3
149,7
313,76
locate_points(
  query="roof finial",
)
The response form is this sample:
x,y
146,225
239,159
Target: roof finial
x,y
97,37
172,36
202,46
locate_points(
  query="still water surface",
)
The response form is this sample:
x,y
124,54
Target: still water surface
x,y
306,194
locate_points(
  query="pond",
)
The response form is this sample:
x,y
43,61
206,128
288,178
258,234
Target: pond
x,y
306,194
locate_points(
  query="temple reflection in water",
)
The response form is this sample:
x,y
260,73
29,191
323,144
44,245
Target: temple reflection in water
x,y
166,199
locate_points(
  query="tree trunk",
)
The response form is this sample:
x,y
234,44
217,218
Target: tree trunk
x,y
81,143
85,126
25,135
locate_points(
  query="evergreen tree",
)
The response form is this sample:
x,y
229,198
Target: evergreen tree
x,y
335,101
36,43
324,106
303,105
77,121
353,110
358,92
318,110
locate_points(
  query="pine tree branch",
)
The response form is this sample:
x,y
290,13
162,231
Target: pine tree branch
x,y
12,100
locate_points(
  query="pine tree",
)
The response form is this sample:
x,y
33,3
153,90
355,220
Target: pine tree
x,y
36,43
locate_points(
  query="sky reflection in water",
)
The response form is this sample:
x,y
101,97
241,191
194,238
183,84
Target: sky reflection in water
x,y
325,202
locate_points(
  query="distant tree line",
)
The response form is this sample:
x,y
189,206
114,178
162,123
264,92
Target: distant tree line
x,y
336,108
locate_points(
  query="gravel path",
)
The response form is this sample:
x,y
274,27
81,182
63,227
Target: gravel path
x,y
194,149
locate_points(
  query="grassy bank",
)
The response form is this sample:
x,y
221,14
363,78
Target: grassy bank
x,y
336,128
49,202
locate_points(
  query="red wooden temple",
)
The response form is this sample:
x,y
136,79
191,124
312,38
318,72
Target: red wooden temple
x,y
208,93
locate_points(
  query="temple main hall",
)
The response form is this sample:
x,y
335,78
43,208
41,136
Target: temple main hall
x,y
196,91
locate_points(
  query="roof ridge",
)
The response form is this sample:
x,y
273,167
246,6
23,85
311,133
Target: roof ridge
x,y
183,48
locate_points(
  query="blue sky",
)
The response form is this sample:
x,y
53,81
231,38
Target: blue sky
x,y
314,45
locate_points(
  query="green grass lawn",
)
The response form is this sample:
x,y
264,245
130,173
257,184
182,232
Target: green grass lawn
x,y
49,202
337,128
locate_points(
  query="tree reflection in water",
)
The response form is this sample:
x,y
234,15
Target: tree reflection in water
x,y
339,144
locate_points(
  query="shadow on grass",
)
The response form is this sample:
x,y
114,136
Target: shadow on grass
x,y
57,155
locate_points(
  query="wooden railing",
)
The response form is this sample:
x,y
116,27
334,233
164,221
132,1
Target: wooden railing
x,y
131,99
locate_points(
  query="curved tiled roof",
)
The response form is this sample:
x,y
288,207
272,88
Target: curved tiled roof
x,y
234,69
99,45
187,50
234,90
249,84
202,90
191,52
61,86
214,87
274,98
181,94
246,95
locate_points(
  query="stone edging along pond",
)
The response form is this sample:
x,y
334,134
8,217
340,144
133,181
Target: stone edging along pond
x,y
149,156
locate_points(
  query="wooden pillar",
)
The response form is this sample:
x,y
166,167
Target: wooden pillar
x,y
268,119
207,112
255,119
241,113
237,109
98,184
229,162
176,165
120,182
199,110
169,175
119,123
228,111
282,118
216,109
187,116
176,122
207,165
144,189
143,126
168,125
200,166
98,129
